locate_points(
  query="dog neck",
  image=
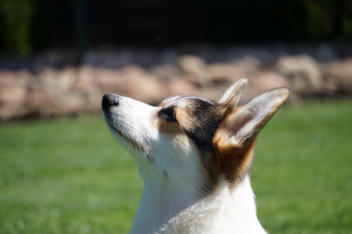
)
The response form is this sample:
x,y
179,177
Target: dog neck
x,y
168,207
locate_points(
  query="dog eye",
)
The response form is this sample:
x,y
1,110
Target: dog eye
x,y
168,114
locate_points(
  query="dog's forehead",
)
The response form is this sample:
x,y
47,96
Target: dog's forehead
x,y
182,101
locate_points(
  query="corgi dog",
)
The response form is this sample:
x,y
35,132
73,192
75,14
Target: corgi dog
x,y
194,156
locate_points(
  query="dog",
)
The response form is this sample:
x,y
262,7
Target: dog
x,y
194,156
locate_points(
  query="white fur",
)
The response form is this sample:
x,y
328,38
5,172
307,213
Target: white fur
x,y
225,211
175,198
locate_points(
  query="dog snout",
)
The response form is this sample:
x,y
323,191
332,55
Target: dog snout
x,y
109,100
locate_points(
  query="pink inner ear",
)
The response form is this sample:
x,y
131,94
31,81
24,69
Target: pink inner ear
x,y
241,123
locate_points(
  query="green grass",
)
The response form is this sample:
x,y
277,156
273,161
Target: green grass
x,y
69,175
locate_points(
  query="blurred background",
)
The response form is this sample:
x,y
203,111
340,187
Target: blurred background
x,y
66,174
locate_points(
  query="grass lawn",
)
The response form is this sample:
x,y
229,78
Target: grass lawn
x,y
69,175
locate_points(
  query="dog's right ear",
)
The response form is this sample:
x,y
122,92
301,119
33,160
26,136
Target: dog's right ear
x,y
243,123
233,94
234,139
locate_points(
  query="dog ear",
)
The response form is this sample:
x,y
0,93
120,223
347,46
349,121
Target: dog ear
x,y
232,95
240,127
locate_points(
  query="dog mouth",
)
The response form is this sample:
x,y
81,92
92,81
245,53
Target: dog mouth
x,y
126,139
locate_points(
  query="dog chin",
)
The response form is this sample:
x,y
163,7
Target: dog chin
x,y
128,141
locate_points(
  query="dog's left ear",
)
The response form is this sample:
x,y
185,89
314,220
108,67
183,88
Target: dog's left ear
x,y
240,127
233,94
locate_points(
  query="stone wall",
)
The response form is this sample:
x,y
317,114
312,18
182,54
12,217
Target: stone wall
x,y
50,91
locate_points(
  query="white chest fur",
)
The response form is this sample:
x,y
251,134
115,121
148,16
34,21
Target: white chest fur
x,y
224,211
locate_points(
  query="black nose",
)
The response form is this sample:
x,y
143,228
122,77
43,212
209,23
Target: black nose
x,y
109,100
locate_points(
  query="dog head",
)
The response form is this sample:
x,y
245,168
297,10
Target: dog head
x,y
188,139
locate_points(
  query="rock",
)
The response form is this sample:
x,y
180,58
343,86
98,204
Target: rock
x,y
13,93
259,82
53,94
339,75
180,86
222,72
141,85
85,86
302,71
230,72
130,81
266,80
84,82
194,66
263,81
248,64
58,80
212,92
108,80
165,72
49,103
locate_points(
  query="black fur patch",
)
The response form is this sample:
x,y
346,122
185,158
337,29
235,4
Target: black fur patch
x,y
167,114
208,118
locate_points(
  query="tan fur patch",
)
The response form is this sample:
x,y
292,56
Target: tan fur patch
x,y
167,127
233,162
185,118
183,115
